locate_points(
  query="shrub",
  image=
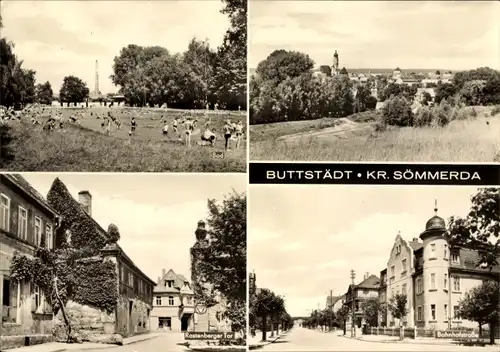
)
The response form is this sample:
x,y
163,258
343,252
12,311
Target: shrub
x,y
442,114
423,117
473,112
6,153
397,112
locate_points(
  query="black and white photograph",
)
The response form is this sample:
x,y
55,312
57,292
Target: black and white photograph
x,y
123,86
360,268
124,263
396,81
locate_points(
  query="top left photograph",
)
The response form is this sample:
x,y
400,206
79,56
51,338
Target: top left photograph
x,y
123,86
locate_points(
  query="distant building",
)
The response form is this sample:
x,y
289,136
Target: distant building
x,y
397,73
173,303
357,294
26,221
335,66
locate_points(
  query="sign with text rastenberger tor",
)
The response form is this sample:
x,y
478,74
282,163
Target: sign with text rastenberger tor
x,y
457,335
209,336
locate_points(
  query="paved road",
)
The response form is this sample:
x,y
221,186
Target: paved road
x,y
303,340
167,342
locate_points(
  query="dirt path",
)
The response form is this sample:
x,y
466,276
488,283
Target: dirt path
x,y
345,128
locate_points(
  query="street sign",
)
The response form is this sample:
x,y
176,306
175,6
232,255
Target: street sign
x,y
457,334
200,309
205,335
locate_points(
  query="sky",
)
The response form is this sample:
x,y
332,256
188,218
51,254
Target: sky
x,y
156,214
60,38
304,241
452,35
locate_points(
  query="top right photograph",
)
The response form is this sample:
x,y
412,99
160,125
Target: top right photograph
x,y
389,81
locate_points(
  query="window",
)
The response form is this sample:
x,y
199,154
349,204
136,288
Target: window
x,y
433,281
4,212
456,312
130,280
445,281
433,250
169,283
455,259
404,265
158,300
37,297
420,287
445,254
49,236
392,270
404,289
433,312
170,301
38,231
165,323
189,300
445,312
22,223
419,314
122,273
456,284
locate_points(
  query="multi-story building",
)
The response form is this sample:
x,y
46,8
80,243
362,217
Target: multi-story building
x,y
338,303
26,222
399,275
442,276
357,294
173,303
434,276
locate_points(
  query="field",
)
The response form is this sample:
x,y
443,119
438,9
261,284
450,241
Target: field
x,y
86,147
475,139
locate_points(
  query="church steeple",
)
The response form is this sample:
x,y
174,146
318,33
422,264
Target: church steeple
x,y
335,66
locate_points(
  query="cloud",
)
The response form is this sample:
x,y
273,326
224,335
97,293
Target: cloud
x,y
58,38
293,246
378,34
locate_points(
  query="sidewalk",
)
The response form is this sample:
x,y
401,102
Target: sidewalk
x,y
61,347
395,339
256,341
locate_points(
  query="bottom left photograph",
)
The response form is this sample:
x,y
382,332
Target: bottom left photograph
x,y
104,261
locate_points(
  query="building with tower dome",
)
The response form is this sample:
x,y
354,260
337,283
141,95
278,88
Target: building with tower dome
x,y
434,276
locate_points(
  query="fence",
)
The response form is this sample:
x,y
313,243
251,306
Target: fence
x,y
415,333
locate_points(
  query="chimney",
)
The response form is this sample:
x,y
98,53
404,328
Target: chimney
x,y
85,200
158,280
367,275
163,272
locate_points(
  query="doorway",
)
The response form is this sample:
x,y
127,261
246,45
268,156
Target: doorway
x,y
185,323
130,324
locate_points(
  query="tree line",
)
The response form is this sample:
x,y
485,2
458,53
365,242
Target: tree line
x,y
284,88
149,76
479,230
268,313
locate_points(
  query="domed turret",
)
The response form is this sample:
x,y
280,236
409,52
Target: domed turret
x,y
435,225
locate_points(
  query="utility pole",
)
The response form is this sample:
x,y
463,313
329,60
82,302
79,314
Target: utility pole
x,y
331,311
353,306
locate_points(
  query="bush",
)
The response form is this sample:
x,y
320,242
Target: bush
x,y
423,117
6,152
397,112
442,114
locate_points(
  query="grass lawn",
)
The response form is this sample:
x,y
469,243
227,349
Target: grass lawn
x,y
85,147
476,139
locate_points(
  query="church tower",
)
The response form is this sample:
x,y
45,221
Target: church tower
x,y
335,67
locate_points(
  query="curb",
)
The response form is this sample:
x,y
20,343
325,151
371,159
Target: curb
x,y
404,342
255,347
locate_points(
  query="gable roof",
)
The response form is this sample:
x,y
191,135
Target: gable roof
x,y
469,259
181,284
371,282
30,191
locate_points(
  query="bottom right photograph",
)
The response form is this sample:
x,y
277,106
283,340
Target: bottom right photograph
x,y
374,268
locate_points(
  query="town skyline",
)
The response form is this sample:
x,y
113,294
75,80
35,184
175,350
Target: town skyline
x,y
320,249
168,209
58,45
384,35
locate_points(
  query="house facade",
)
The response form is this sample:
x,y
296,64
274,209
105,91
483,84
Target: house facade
x,y
442,277
135,289
173,303
26,222
399,280
357,294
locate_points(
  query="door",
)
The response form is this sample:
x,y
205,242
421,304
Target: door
x,y
130,324
184,323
